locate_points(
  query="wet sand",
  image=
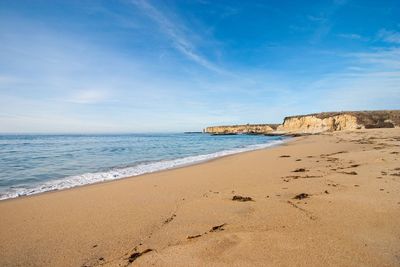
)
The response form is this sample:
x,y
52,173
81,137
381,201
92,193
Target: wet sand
x,y
324,200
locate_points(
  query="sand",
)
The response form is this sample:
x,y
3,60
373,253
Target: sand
x,y
347,211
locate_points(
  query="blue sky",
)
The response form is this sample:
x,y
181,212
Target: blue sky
x,y
145,66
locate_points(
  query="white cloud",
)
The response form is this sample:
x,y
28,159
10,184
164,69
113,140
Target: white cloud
x,y
352,36
317,18
389,36
176,33
379,59
89,96
372,81
7,79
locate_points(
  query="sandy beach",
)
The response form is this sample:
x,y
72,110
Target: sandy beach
x,y
323,200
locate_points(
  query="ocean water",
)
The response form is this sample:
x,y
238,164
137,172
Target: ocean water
x,y
31,164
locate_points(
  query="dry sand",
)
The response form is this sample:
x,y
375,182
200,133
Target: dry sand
x,y
351,216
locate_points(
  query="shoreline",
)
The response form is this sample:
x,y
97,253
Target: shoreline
x,y
202,161
186,216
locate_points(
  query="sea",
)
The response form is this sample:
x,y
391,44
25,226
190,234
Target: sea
x,y
31,164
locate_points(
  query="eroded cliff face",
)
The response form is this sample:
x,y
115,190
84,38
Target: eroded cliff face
x,y
240,129
313,124
337,121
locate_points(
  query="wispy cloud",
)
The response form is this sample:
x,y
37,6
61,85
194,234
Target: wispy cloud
x,y
176,33
389,36
324,20
372,80
382,59
352,36
317,18
89,96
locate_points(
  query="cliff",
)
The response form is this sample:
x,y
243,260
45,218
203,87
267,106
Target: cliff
x,y
337,121
313,124
317,123
242,129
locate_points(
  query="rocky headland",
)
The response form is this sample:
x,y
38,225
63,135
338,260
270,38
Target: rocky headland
x,y
242,129
317,123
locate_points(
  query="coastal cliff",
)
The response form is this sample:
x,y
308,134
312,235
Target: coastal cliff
x,y
317,123
242,129
337,121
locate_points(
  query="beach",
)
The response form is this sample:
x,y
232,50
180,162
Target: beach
x,y
331,199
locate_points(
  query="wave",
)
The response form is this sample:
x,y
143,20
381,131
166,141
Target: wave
x,y
118,173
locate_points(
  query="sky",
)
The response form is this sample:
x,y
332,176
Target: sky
x,y
169,66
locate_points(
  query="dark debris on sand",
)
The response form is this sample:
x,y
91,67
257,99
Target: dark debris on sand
x,y
217,228
300,170
242,199
193,236
301,196
168,220
213,229
136,255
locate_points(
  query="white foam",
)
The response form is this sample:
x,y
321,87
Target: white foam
x,y
114,174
